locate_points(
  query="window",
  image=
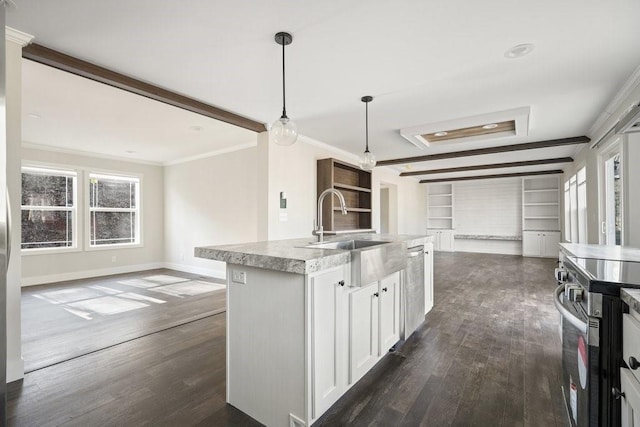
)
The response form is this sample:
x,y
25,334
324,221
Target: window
x,y
575,208
114,210
48,206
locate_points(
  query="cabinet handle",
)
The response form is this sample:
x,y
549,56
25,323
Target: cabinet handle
x,y
376,295
633,363
616,393
384,289
341,283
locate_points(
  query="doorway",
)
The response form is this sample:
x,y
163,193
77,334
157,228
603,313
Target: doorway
x,y
388,208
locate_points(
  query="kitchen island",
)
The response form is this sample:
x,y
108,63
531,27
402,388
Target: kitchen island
x,y
304,324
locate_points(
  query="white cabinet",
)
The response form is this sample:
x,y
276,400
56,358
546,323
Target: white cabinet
x,y
329,338
389,319
540,243
629,384
363,330
428,277
374,324
443,239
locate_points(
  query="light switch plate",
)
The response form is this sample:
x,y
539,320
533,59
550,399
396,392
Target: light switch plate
x,y
239,277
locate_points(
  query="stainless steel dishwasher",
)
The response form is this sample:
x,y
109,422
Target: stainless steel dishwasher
x,y
412,293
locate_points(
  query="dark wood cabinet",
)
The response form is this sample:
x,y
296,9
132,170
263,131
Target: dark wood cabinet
x,y
355,186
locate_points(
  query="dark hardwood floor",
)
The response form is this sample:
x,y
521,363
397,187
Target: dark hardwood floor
x,y
488,355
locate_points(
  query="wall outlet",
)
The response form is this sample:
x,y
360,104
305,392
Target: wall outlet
x,y
113,258
239,277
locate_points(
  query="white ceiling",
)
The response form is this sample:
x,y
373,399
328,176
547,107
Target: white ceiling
x,y
423,61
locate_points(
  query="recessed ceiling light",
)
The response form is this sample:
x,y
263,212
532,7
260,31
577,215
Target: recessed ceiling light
x,y
490,126
33,116
441,133
195,128
519,51
130,151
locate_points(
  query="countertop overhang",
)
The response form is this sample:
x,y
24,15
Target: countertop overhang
x,y
291,255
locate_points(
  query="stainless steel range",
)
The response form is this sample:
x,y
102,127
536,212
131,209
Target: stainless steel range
x,y
589,301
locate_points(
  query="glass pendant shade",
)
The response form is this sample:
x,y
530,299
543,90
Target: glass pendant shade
x,y
367,161
283,131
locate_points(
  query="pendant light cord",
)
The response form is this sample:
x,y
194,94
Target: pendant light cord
x,y
366,120
284,105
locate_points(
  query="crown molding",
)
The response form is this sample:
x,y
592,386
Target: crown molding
x,y
42,147
17,36
621,96
211,153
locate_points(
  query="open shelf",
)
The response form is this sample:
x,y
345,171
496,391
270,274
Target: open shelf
x,y
440,206
355,186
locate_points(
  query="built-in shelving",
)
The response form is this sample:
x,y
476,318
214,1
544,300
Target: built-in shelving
x,y
355,186
440,206
541,203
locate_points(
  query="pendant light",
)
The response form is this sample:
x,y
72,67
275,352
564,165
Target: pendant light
x,y
367,160
283,131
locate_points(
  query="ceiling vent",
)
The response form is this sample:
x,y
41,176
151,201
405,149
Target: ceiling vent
x,y
630,123
491,126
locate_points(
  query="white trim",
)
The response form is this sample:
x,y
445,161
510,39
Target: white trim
x,y
15,369
625,91
17,36
85,274
218,274
211,153
91,154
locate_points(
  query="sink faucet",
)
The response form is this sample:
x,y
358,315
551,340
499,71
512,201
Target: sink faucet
x,y
318,231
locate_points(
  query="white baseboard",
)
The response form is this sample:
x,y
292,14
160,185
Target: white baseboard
x,y
15,369
75,275
84,274
218,274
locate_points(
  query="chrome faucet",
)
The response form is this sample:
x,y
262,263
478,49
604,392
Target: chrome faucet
x,y
318,231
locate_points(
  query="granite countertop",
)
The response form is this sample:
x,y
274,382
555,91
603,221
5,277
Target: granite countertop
x,y
631,297
612,253
290,255
485,237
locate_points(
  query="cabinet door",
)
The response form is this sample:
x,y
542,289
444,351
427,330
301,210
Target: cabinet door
x,y
630,403
428,277
550,242
446,240
436,238
531,243
389,312
363,331
327,332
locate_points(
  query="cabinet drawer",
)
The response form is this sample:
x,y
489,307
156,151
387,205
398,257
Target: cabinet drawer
x,y
631,342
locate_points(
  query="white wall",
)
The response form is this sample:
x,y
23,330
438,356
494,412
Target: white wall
x,y
46,268
210,201
488,207
15,365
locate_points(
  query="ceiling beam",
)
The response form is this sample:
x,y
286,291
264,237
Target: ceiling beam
x,y
489,150
64,62
503,175
491,166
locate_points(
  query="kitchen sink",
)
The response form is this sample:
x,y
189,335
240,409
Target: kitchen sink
x,y
349,245
371,260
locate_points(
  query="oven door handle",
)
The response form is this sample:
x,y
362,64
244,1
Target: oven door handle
x,y
575,321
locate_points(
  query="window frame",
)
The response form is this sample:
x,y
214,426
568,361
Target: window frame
x,y
89,210
59,170
573,211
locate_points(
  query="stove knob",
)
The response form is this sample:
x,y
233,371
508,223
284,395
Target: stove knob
x,y
633,363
